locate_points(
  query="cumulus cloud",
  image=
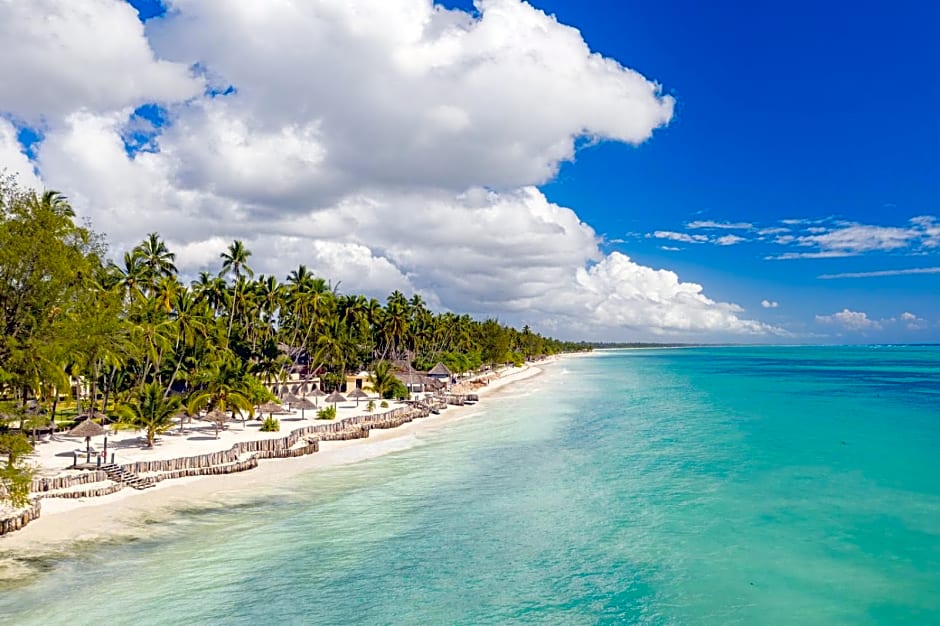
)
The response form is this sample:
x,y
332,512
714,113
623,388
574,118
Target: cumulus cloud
x,y
406,92
12,157
622,293
850,320
386,144
769,304
912,321
89,54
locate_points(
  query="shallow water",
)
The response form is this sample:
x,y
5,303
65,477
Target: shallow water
x,y
713,486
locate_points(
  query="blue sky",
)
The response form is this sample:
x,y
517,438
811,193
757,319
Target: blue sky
x,y
810,110
794,177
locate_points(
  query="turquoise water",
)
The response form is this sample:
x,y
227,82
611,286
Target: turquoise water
x,y
697,486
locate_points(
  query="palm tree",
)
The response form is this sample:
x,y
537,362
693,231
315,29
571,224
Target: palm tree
x,y
156,258
129,276
235,260
382,379
150,411
395,327
53,201
334,347
222,386
189,324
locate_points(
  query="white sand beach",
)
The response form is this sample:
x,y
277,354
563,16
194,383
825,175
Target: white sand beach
x,y
66,521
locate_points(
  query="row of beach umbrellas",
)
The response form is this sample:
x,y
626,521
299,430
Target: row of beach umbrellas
x,y
89,428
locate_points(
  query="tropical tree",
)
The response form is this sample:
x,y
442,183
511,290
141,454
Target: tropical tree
x,y
222,386
15,475
383,379
235,260
150,411
157,261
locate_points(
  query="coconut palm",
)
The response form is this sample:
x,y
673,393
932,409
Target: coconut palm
x,y
382,379
156,259
149,411
222,386
235,260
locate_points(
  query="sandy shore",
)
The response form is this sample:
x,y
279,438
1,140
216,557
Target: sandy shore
x,y
66,523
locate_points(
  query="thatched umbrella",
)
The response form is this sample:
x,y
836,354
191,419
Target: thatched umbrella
x,y
270,407
218,418
316,393
303,405
357,393
334,398
289,399
181,416
87,429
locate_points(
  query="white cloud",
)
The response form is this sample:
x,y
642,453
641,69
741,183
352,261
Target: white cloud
x,y
63,56
880,273
405,92
720,225
12,157
769,304
386,144
850,320
683,237
729,240
670,248
619,292
859,238
913,322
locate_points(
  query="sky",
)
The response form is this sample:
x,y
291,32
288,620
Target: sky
x,y
673,171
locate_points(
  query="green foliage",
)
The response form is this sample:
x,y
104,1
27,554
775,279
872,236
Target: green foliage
x,y
327,413
382,379
150,411
223,385
398,391
46,265
384,404
256,391
15,475
371,406
270,425
332,380
134,333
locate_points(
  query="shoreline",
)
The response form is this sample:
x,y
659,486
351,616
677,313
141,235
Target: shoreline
x,y
67,524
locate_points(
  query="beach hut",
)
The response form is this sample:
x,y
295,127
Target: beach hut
x,y
441,372
87,429
357,394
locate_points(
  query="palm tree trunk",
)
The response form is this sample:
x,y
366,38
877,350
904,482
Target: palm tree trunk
x,y
176,370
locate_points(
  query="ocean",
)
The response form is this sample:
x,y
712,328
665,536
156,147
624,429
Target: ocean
x,y
740,485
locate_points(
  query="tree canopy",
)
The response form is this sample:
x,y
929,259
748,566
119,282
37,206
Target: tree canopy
x,y
136,333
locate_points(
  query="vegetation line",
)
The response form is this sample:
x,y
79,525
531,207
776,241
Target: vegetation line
x,y
84,336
